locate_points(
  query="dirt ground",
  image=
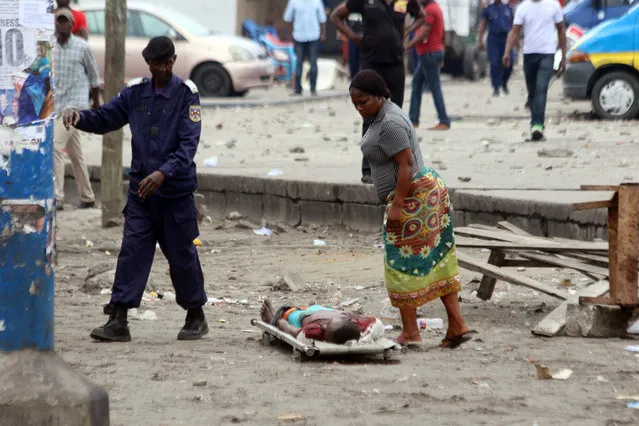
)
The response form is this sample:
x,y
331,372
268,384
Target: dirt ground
x,y
229,377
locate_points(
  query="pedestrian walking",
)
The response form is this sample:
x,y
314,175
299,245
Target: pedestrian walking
x,y
498,18
429,43
308,19
354,22
542,23
80,26
381,44
165,119
420,258
76,80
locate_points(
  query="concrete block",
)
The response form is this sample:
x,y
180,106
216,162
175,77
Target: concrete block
x,y
534,226
219,183
248,205
357,193
459,218
363,217
320,213
481,218
596,321
312,191
277,187
281,210
39,388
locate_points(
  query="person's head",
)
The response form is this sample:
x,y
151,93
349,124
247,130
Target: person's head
x,y
42,49
368,93
63,22
159,54
64,3
341,331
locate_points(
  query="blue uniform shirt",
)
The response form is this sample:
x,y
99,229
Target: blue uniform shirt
x,y
165,129
499,18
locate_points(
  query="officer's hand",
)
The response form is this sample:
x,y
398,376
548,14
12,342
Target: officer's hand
x,y
357,39
150,184
506,61
70,118
480,44
562,66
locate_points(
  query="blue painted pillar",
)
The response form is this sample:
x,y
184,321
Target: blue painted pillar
x,y
26,237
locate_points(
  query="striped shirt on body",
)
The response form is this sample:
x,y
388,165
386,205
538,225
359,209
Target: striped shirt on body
x,y
75,73
390,133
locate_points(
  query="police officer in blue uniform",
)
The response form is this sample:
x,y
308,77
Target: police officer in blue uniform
x,y
165,119
498,17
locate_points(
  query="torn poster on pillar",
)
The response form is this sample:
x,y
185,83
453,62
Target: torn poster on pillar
x,y
24,216
6,145
28,137
37,13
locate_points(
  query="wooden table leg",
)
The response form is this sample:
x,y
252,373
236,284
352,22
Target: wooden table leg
x,y
487,286
613,218
625,289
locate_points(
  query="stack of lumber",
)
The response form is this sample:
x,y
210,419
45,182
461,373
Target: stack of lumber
x,y
512,247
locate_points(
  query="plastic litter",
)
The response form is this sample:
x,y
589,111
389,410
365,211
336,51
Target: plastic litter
x,y
388,327
634,328
265,232
148,315
88,243
211,162
632,348
197,242
319,243
105,291
389,312
169,296
275,172
544,373
633,404
433,323
207,220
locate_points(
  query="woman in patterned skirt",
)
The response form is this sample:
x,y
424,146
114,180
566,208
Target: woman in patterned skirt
x,y
420,256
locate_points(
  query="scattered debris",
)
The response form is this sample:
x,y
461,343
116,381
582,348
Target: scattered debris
x,y
168,296
210,162
349,302
275,172
633,404
197,242
555,153
200,383
464,179
105,291
632,348
634,328
319,243
231,144
148,315
544,373
207,220
291,418
297,150
234,216
265,232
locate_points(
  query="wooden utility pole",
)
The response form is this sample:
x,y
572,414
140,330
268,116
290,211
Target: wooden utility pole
x,y
111,176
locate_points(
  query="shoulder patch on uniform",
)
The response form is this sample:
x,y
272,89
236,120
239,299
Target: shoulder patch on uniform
x,y
191,86
195,113
136,82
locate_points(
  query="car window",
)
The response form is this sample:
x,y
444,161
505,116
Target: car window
x,y
618,3
152,26
95,22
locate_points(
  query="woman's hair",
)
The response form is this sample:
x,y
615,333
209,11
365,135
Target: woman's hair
x,y
368,81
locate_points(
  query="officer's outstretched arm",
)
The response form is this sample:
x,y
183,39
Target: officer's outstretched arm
x,y
189,129
109,117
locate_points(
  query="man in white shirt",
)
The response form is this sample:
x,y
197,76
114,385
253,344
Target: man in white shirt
x,y
542,22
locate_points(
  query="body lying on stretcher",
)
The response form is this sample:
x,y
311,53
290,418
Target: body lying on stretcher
x,y
319,323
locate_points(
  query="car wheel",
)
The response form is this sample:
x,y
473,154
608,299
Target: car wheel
x,y
616,96
212,80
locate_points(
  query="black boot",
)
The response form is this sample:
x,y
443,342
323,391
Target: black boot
x,y
195,325
116,329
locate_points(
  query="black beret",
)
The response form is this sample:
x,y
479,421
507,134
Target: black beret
x,y
159,48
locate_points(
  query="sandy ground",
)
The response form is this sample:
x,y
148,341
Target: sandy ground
x,y
486,143
229,377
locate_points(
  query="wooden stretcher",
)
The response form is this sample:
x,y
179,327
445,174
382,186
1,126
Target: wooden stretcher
x,y
303,351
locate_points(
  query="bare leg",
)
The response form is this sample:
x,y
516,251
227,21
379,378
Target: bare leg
x,y
410,331
456,324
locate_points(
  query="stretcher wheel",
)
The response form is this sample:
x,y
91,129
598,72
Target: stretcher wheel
x,y
299,356
267,339
404,349
388,354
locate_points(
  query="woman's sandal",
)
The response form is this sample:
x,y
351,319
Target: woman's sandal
x,y
457,341
411,344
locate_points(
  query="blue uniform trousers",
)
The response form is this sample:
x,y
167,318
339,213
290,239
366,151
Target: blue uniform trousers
x,y
171,222
495,47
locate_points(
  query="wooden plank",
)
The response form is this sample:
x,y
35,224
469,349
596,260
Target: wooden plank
x,y
606,300
501,236
625,287
557,247
556,320
512,228
591,258
599,187
487,286
613,219
592,205
508,276
523,263
566,263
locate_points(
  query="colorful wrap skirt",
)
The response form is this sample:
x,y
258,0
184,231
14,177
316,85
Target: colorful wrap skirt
x,y
420,257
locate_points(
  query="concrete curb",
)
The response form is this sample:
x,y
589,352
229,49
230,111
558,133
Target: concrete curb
x,y
545,213
255,103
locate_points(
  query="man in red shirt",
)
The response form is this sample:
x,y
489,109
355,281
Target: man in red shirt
x,y
429,43
80,27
